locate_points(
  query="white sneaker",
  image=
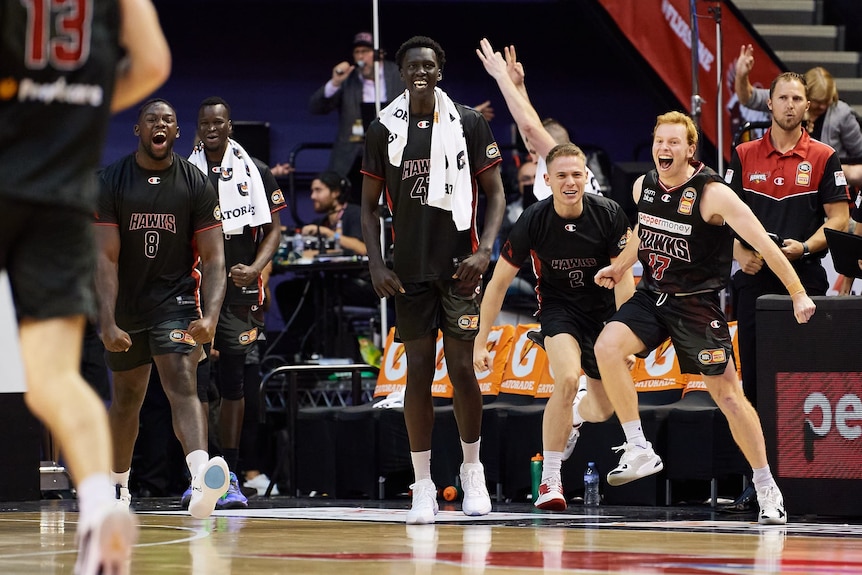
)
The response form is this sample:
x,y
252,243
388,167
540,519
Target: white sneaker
x,y
476,499
551,497
571,442
771,506
124,498
261,482
424,506
105,542
210,483
635,463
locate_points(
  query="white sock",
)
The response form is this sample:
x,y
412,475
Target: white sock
x,y
121,479
576,415
195,459
471,451
634,433
762,477
94,491
421,464
551,465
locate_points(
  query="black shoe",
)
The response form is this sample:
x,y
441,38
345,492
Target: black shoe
x,y
745,503
536,337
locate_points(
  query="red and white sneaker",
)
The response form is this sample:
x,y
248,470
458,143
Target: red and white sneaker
x,y
551,496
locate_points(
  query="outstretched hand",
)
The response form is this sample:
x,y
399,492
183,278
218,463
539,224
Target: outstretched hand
x,y
493,62
745,61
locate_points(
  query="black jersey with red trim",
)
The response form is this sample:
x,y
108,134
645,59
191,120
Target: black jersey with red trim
x,y
427,242
158,213
787,191
242,248
566,253
679,251
57,70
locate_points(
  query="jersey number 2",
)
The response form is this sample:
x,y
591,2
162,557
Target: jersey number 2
x,y
58,33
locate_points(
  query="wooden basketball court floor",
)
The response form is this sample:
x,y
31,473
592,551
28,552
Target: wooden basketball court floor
x,y
299,536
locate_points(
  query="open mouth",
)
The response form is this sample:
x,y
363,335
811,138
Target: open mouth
x,y
420,83
160,138
664,162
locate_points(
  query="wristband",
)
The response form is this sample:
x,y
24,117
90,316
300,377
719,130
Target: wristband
x,y
805,251
795,288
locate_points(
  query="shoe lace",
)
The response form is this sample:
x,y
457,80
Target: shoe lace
x,y
554,484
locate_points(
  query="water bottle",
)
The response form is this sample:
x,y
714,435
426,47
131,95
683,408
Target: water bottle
x,y
536,473
337,245
298,244
591,485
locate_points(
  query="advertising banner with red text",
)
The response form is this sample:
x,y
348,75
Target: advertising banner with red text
x,y
660,31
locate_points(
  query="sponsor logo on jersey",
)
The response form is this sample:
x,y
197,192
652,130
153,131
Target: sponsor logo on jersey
x,y
182,336
715,324
728,176
779,181
803,174
217,213
423,124
665,198
493,150
664,224
686,202
28,90
570,227
277,197
840,180
755,178
648,195
624,240
154,180
469,322
248,337
711,356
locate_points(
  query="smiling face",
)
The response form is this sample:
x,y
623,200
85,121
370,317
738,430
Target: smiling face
x,y
671,151
420,72
567,177
157,130
214,129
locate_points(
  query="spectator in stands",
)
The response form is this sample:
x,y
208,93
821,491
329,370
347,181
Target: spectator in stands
x,y
248,247
685,217
351,91
776,176
329,194
539,136
847,282
157,219
429,171
589,231
827,119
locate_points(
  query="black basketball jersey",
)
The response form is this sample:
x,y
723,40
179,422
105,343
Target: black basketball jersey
x,y
242,248
426,240
567,253
57,69
679,251
158,213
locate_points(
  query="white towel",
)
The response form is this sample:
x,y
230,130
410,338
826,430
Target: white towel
x,y
241,195
450,184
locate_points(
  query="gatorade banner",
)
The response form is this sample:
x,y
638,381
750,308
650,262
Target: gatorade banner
x,y
526,366
499,346
660,31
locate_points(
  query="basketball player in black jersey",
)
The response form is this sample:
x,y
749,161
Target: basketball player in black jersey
x,y
60,67
685,244
437,267
157,221
569,236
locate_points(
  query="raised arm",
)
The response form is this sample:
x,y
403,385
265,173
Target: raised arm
x,y
148,58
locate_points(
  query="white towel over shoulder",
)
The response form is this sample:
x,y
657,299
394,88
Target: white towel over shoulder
x,y
241,195
450,184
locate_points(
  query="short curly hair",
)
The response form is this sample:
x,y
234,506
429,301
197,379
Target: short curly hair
x,y
421,42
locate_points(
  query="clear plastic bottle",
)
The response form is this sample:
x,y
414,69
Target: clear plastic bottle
x,y
298,244
337,245
591,485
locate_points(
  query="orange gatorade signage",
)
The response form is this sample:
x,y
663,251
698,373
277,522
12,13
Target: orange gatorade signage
x,y
499,346
526,366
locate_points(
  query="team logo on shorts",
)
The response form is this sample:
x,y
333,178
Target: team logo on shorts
x,y
182,336
248,337
711,356
217,213
493,150
469,322
277,197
